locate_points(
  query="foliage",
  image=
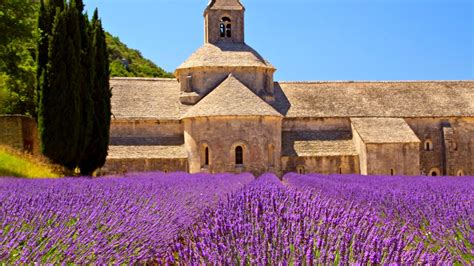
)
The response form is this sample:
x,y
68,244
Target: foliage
x,y
74,93
103,221
23,165
60,105
17,53
126,62
95,152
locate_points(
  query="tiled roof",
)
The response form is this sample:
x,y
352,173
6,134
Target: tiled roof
x,y
384,130
318,144
375,99
225,4
147,152
225,54
231,98
139,98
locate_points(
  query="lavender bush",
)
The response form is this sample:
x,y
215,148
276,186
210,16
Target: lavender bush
x,y
340,220
107,220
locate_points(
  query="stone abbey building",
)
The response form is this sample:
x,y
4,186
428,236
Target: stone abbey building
x,y
225,113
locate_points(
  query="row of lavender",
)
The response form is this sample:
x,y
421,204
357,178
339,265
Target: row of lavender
x,y
339,220
188,219
103,221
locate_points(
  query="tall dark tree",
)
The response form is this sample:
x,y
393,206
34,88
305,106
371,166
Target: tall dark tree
x,y
96,149
60,104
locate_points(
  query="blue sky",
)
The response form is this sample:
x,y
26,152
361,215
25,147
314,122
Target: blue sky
x,y
314,39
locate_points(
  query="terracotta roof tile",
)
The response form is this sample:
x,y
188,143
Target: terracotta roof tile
x,y
231,98
384,130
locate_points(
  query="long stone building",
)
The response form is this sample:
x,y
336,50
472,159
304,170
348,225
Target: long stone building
x,y
225,113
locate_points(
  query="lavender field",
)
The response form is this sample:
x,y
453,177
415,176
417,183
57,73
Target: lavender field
x,y
233,219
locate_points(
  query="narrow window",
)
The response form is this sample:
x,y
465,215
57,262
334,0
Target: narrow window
x,y
460,173
392,172
300,170
239,155
428,145
340,170
225,28
206,156
222,30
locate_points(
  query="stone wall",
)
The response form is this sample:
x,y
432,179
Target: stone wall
x,y
19,132
146,132
212,21
317,124
401,158
121,166
260,138
322,165
204,80
361,149
452,144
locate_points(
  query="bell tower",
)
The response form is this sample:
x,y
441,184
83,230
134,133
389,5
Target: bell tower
x,y
224,21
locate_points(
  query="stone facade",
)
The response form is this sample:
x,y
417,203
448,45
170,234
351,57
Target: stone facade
x,y
19,132
225,113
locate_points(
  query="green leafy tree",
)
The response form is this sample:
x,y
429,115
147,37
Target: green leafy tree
x,y
17,53
96,150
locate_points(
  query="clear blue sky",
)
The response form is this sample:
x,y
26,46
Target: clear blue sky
x,y
314,39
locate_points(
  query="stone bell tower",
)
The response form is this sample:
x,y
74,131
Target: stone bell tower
x,y
224,21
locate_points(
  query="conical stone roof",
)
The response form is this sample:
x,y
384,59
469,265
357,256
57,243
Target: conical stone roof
x,y
225,54
231,98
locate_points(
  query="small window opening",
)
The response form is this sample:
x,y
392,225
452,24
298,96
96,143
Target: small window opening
x,y
340,170
206,156
300,170
392,172
225,28
428,145
434,172
460,173
239,155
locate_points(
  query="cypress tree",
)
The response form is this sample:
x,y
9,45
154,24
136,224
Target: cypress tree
x,y
60,104
96,150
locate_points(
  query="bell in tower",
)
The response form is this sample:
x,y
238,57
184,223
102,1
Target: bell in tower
x,y
224,21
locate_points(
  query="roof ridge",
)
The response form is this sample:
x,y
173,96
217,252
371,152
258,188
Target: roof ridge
x,y
143,79
227,104
372,81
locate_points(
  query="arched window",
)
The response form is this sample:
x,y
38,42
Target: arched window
x,y
300,170
428,145
460,173
225,27
434,172
239,155
206,156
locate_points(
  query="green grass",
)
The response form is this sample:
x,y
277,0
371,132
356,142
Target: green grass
x,y
15,164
